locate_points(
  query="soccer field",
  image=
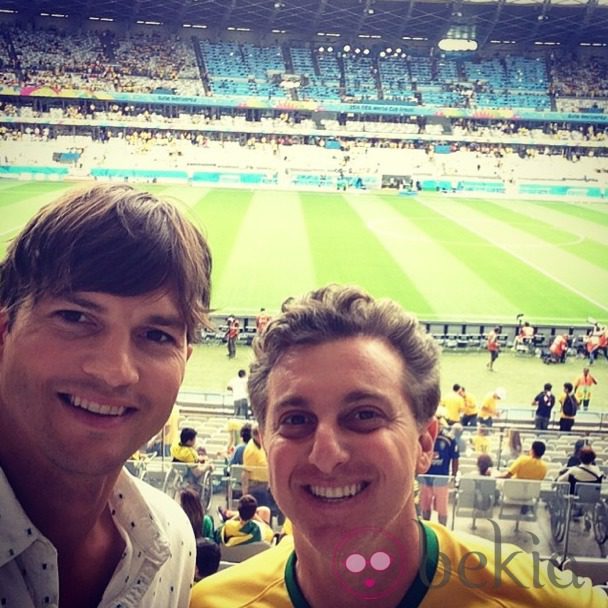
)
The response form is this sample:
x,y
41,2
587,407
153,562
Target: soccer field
x,y
442,256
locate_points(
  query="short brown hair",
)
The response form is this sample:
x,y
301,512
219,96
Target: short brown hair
x,y
248,506
334,312
114,239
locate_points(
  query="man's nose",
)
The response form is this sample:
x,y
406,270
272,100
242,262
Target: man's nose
x,y
113,361
328,450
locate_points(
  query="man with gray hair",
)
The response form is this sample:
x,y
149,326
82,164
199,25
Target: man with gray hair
x,y
345,389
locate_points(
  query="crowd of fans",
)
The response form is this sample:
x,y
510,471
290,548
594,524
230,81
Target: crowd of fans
x,y
148,63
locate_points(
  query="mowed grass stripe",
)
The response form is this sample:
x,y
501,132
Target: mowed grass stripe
x,y
16,211
581,228
428,264
12,192
529,290
579,210
345,251
573,243
270,259
220,213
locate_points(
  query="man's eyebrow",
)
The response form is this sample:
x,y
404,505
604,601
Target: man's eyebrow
x,y
169,320
352,397
291,401
82,301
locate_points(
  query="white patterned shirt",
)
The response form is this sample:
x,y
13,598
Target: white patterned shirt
x,y
156,568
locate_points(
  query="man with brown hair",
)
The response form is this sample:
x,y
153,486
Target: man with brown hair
x,y
101,296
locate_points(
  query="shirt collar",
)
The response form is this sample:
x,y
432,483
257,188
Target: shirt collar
x,y
128,507
17,532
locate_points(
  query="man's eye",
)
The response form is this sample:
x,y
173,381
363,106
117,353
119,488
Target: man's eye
x,y
161,337
296,426
295,419
71,316
365,420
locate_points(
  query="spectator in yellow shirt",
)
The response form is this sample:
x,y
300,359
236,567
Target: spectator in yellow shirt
x,y
529,466
454,405
489,407
470,410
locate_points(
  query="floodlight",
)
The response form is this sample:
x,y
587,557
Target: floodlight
x,y
346,48
455,45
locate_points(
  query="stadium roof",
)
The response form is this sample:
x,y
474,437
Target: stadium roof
x,y
563,22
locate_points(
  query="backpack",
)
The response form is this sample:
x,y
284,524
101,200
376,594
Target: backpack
x,y
570,404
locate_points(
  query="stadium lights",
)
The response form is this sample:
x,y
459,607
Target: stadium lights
x,y
457,44
57,15
330,49
279,31
140,22
366,51
357,51
8,10
346,48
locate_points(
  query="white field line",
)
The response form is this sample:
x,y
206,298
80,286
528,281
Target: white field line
x,y
469,225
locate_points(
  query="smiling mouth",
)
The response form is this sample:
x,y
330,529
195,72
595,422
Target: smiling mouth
x,y
93,407
337,493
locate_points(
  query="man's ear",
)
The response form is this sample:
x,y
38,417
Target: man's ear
x,y
426,441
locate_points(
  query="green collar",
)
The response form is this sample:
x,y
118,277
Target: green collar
x,y
413,596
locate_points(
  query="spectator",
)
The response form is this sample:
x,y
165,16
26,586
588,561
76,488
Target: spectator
x,y
261,321
484,465
245,433
583,388
493,347
489,407
434,486
575,459
544,403
202,525
345,390
454,404
208,557
529,466
585,472
238,387
514,443
245,527
232,335
470,411
480,441
569,407
101,296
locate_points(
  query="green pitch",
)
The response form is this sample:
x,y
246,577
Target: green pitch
x,y
441,256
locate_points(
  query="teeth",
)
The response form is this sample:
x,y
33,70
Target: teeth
x,y
336,492
96,408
